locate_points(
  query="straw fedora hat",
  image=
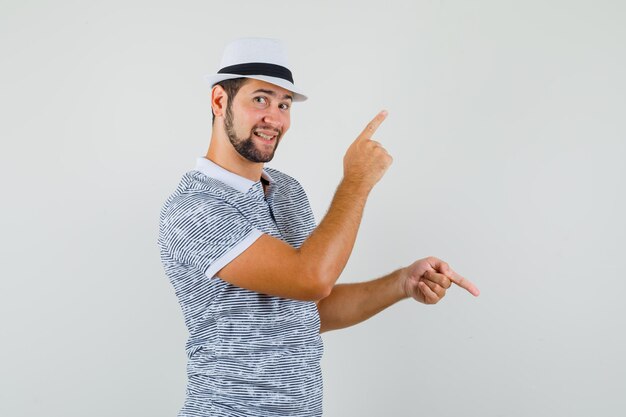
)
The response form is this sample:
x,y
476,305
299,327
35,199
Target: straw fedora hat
x,y
259,58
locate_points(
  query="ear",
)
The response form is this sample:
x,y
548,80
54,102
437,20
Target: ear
x,y
219,100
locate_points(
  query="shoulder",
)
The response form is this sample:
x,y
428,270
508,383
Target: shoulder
x,y
196,196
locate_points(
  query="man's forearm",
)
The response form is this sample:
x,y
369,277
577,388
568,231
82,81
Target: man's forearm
x,y
350,304
328,248
325,253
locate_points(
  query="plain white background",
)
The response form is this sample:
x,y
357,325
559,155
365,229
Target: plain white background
x,y
506,123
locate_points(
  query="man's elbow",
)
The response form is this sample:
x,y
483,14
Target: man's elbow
x,y
319,284
320,290
317,275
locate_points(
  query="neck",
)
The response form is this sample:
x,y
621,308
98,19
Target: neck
x,y
224,154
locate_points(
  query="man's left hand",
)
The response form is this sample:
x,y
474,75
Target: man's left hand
x,y
428,279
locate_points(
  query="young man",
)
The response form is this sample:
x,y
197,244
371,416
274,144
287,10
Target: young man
x,y
254,275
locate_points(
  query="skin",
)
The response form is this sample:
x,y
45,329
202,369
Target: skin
x,y
310,272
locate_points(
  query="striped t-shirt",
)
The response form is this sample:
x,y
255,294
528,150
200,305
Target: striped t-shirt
x,y
249,354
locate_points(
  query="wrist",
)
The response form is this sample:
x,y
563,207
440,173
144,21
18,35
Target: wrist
x,y
356,186
403,284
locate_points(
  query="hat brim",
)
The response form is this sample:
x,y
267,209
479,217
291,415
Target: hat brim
x,y
297,93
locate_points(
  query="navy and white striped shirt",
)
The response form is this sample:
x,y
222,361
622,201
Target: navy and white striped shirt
x,y
250,354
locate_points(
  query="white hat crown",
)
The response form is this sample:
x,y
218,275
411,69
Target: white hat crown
x,y
259,58
271,51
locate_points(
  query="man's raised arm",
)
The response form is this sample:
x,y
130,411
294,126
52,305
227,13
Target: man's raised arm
x,y
271,266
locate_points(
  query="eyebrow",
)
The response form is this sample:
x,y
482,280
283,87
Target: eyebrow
x,y
272,93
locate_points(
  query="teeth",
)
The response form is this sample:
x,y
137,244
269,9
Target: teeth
x,y
264,136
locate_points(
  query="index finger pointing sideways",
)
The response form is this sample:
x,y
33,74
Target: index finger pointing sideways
x,y
463,282
373,125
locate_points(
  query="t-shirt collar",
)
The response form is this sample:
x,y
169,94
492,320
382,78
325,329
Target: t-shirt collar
x,y
239,183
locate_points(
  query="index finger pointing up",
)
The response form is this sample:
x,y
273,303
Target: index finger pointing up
x,y
373,125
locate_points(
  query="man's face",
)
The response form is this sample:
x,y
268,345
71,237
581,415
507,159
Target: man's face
x,y
257,118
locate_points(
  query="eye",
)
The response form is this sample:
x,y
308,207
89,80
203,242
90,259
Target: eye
x,y
284,106
260,100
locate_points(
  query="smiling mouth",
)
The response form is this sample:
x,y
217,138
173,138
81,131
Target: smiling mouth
x,y
265,135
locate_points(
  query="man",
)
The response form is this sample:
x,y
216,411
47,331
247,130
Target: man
x,y
254,275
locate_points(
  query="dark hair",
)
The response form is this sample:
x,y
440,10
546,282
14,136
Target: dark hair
x,y
231,87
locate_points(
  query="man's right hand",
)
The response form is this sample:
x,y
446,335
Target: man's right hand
x,y
366,160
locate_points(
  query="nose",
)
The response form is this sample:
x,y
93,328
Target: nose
x,y
274,118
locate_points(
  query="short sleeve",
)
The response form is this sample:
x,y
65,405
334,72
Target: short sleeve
x,y
205,232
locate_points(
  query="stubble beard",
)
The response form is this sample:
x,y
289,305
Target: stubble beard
x,y
246,147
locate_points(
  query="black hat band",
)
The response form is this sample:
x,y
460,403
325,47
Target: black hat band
x,y
259,68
